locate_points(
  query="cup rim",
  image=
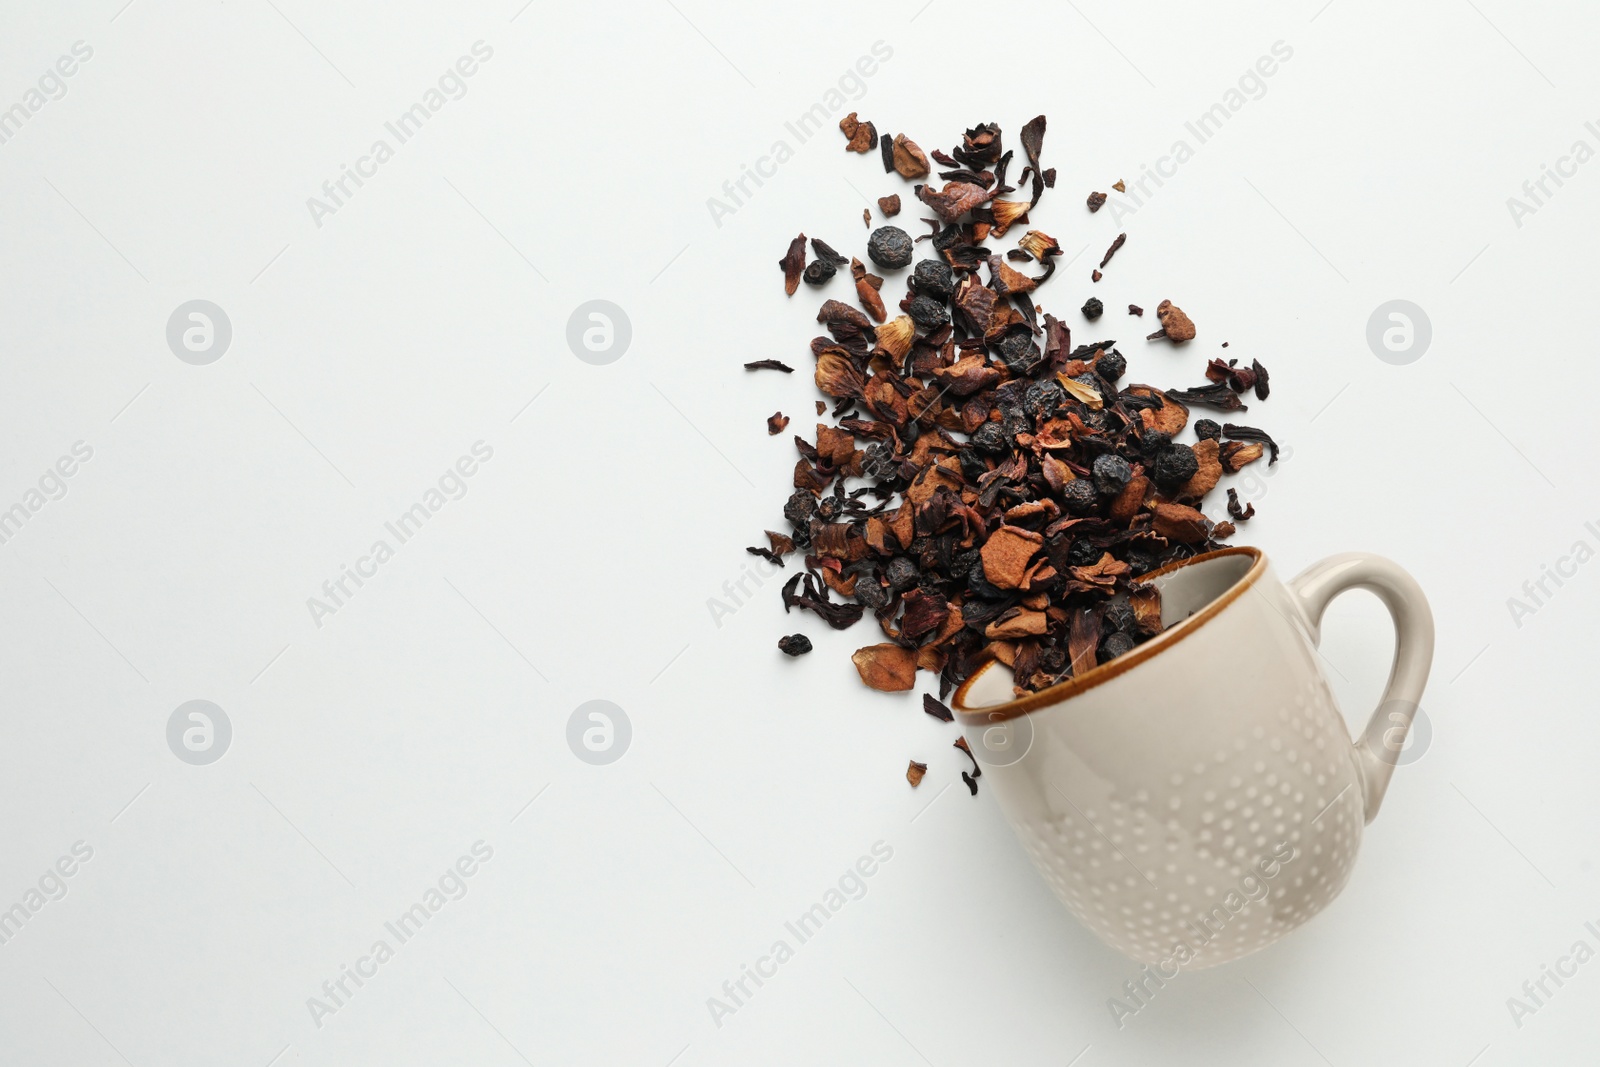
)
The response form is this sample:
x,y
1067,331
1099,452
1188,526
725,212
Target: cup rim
x,y
1104,672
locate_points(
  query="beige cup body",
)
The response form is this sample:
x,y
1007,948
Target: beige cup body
x,y
1200,804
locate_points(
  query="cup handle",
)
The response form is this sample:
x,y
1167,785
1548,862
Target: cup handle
x,y
1314,588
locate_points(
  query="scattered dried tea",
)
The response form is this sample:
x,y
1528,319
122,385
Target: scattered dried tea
x,y
776,423
914,773
794,645
889,205
769,364
987,487
1120,186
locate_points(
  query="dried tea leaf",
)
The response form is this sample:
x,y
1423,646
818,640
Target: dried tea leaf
x,y
793,262
954,200
887,668
1118,243
936,708
1250,433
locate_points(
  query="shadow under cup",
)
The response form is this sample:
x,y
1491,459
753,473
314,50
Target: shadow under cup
x,y
1196,798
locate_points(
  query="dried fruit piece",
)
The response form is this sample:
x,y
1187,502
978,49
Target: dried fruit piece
x,y
1175,325
1096,201
793,262
776,423
794,645
954,200
889,205
909,160
914,773
859,136
1006,555
1093,308
887,668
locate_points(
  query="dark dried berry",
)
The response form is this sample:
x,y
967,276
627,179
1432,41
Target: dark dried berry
x,y
794,645
1119,614
1079,497
1019,353
934,278
979,585
1115,645
928,313
1207,429
1083,553
801,506
972,465
819,272
990,438
1175,465
1111,366
890,246
870,592
1111,473
1093,309
902,574
1042,399
1154,441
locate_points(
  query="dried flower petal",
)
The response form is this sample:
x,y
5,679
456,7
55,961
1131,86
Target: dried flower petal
x,y
909,160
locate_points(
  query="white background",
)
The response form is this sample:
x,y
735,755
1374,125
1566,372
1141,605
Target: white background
x,y
372,351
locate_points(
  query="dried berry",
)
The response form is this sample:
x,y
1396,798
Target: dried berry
x,y
1093,309
794,645
928,313
1111,366
890,247
1206,429
1112,473
1175,465
934,278
1116,644
1079,497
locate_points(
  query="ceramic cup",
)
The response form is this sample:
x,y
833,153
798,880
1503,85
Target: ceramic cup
x,y
1197,798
